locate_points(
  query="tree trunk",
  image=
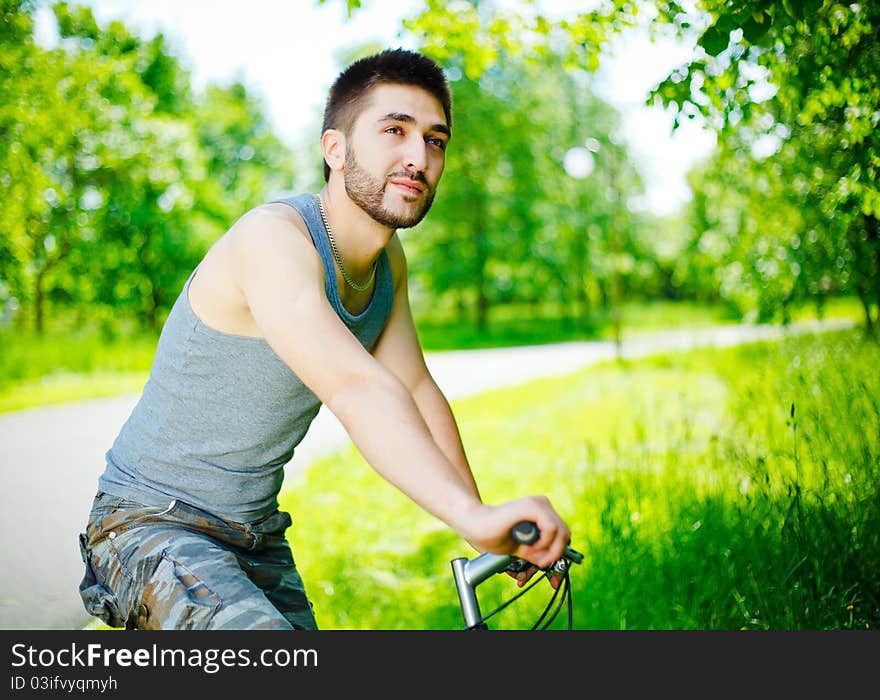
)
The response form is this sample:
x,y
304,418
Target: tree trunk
x,y
40,286
482,260
152,312
583,299
483,305
460,307
868,283
872,224
866,307
603,294
39,302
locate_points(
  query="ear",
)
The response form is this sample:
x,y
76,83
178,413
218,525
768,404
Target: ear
x,y
333,146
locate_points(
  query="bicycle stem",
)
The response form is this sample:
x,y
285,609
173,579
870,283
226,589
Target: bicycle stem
x,y
468,574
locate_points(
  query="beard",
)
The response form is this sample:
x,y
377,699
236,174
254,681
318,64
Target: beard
x,y
368,193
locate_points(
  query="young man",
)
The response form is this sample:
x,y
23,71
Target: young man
x,y
302,302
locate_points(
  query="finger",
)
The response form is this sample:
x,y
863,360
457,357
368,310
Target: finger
x,y
556,546
523,576
553,547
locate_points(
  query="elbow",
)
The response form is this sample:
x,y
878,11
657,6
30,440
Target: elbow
x,y
361,395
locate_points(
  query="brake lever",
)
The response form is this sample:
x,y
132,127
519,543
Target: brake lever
x,y
517,565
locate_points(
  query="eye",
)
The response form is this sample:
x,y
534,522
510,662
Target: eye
x,y
437,142
393,130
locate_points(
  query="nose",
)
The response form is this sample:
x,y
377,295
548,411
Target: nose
x,y
415,158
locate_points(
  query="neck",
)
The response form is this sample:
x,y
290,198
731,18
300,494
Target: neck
x,y
358,236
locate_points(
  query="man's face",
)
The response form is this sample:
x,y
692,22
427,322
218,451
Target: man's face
x,y
395,154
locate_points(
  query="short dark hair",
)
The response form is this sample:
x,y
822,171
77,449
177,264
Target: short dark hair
x,y
394,66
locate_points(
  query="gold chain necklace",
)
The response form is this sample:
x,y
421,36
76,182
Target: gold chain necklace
x,y
348,280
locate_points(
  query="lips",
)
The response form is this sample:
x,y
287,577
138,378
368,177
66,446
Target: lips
x,y
410,186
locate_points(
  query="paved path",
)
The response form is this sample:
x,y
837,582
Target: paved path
x,y
50,459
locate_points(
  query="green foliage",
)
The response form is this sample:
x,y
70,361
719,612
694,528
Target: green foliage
x,y
793,90
785,211
117,177
351,6
728,489
509,224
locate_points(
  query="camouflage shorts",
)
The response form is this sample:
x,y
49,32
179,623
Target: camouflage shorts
x,y
180,567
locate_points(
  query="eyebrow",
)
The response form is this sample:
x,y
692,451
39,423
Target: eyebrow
x,y
409,119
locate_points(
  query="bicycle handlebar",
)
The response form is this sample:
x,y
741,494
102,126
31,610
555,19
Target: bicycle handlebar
x,y
470,573
526,532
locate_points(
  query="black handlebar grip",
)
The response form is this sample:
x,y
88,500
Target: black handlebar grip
x,y
525,532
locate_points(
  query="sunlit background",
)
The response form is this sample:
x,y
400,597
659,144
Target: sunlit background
x,y
721,488
289,52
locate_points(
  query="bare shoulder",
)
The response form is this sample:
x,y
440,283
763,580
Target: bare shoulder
x,y
270,242
268,226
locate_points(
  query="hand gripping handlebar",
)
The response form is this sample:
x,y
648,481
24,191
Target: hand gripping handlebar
x,y
470,573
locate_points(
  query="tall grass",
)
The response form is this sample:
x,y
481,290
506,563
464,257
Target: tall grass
x,y
718,489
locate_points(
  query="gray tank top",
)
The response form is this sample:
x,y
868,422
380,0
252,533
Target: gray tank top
x,y
221,414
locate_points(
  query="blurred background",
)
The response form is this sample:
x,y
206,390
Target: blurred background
x,y
614,164
617,168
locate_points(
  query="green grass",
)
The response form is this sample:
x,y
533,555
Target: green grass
x,y
717,489
836,307
71,365
61,386
521,324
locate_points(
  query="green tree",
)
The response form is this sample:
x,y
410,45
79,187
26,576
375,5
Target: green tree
x,y
51,127
801,76
120,175
16,169
511,225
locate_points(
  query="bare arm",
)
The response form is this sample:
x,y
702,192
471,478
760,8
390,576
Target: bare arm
x,y
400,351
282,279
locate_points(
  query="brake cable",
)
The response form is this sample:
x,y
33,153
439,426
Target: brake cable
x,y
564,586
